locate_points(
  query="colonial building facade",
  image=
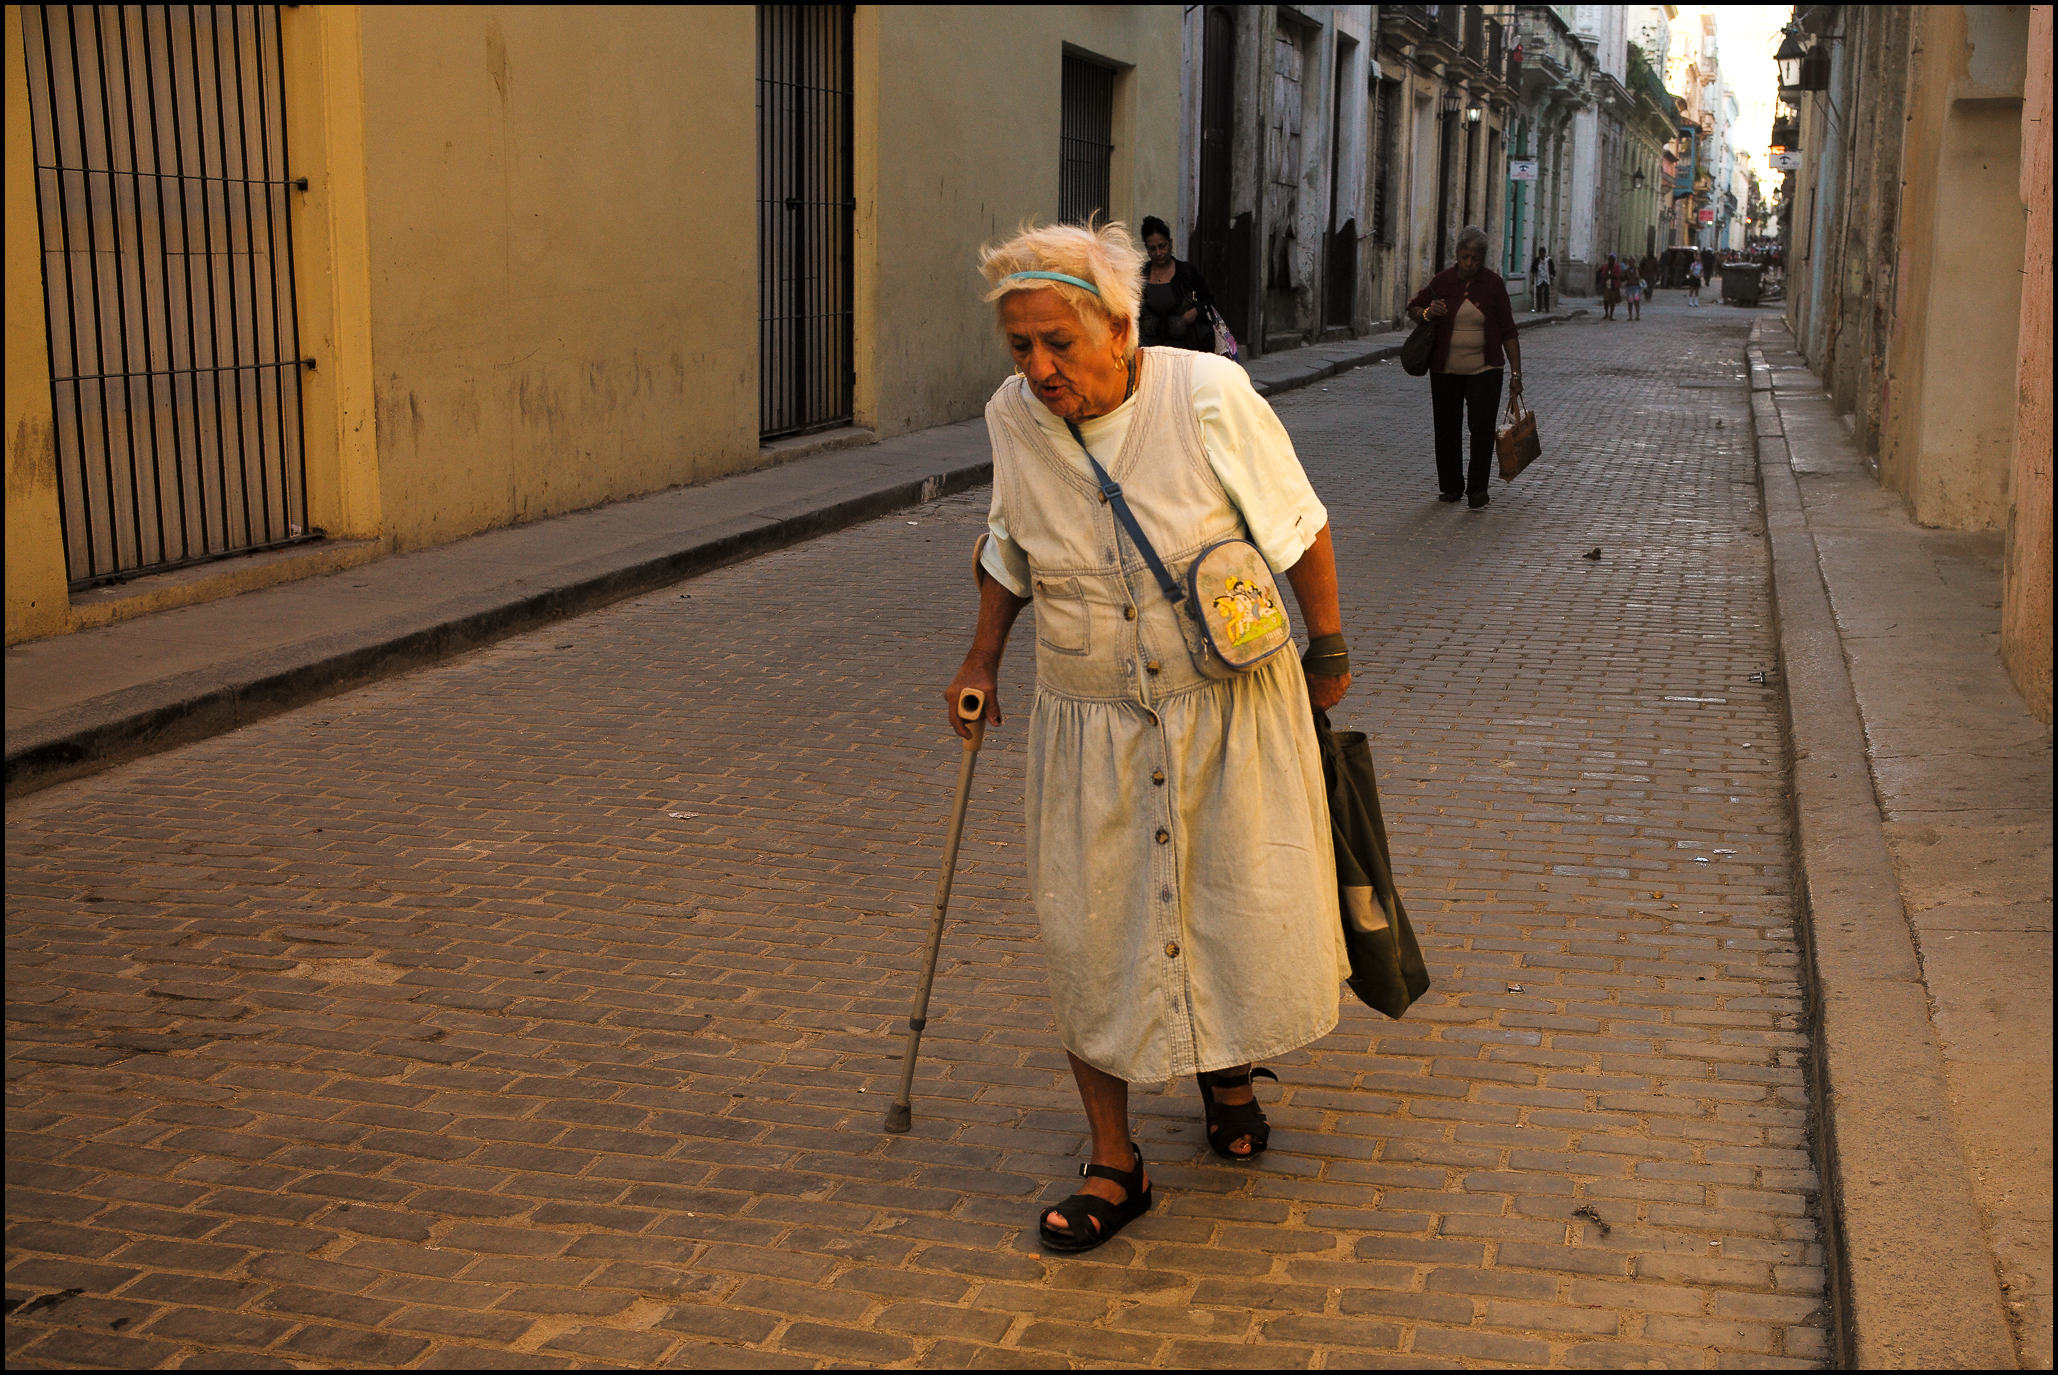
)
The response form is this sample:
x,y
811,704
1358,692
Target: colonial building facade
x,y
1917,235
298,286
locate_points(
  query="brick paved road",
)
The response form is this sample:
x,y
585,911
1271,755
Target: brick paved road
x,y
541,1008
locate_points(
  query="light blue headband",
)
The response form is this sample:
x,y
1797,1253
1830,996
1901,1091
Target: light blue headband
x,y
1053,277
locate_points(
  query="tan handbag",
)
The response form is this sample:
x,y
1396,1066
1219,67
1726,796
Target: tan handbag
x,y
1516,441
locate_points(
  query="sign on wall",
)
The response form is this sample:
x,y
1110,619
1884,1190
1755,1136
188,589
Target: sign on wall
x,y
1789,161
1521,169
1707,217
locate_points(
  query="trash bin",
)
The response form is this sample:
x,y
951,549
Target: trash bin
x,y
1741,283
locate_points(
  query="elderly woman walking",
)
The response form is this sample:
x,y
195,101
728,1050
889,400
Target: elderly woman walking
x,y
1178,830
1476,335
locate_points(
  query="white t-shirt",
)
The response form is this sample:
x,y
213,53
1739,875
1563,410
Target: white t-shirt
x,y
1248,451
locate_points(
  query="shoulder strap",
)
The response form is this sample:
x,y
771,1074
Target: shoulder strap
x,y
1111,492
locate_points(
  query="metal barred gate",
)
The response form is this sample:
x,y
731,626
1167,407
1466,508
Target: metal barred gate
x,y
161,190
804,206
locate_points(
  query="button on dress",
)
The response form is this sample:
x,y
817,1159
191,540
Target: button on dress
x,y
1178,826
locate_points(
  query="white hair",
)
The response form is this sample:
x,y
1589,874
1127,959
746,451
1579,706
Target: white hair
x,y
1472,234
1099,253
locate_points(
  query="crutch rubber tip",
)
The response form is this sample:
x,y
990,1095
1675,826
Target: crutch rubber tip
x,y
899,1118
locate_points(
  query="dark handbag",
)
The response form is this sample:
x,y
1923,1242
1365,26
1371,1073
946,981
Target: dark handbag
x,y
1387,973
1419,349
1516,441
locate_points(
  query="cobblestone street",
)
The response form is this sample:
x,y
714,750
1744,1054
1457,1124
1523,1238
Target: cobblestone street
x,y
542,1008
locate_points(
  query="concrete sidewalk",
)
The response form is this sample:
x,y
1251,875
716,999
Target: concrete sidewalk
x,y
1923,793
81,702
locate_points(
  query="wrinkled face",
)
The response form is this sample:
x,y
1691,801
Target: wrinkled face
x,y
1160,249
1075,371
1470,257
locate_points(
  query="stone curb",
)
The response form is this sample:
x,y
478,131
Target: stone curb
x,y
1911,1282
193,706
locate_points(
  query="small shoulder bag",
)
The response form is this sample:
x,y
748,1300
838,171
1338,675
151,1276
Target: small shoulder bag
x,y
1230,594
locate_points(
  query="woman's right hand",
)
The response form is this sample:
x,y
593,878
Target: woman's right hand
x,y
1435,308
973,674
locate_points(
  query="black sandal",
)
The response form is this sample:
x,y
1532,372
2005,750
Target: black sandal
x,y
1228,1122
1081,1211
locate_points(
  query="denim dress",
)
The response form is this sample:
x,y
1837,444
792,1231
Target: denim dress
x,y
1178,826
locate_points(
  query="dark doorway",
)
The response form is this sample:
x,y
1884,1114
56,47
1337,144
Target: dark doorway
x,y
1086,139
804,218
1220,243
1340,253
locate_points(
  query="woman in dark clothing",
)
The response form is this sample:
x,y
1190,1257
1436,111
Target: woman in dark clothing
x,y
1175,298
1476,332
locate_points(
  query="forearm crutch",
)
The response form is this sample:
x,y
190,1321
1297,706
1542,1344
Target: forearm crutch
x,y
971,709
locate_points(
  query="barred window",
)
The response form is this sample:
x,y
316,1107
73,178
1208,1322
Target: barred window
x,y
1086,139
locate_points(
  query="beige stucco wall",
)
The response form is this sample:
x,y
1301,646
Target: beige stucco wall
x,y
36,600
1947,424
957,143
2026,574
562,249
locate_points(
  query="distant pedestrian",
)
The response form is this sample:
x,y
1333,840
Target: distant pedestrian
x,y
1648,270
1633,292
1162,801
1611,287
1477,332
1176,298
1540,279
1693,282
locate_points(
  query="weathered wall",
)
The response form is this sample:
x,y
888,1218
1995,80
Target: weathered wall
x,y
1860,307
957,143
563,279
324,53
1947,423
36,600
2026,574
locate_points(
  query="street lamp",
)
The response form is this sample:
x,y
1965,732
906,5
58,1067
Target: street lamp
x,y
1636,180
1789,58
1472,114
1453,101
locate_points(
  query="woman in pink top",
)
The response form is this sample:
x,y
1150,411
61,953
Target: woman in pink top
x,y
1474,340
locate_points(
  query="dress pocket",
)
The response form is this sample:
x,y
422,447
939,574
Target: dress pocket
x,y
1061,617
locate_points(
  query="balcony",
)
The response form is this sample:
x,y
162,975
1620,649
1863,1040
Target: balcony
x,y
1449,21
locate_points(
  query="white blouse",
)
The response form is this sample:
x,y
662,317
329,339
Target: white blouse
x,y
1248,451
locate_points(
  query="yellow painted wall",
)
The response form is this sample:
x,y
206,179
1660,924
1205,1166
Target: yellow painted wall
x,y
526,257
323,51
957,142
562,248
36,600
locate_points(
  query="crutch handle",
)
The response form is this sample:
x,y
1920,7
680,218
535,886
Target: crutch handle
x,y
972,711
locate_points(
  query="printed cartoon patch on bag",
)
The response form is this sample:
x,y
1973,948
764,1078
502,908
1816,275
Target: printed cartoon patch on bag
x,y
1236,606
1246,611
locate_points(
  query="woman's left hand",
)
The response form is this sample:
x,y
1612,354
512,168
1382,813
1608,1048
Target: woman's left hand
x,y
1325,692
